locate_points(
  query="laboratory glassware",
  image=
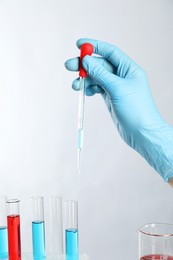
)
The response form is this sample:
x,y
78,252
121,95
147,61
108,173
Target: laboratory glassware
x,y
156,241
3,228
71,230
86,49
13,225
56,225
38,227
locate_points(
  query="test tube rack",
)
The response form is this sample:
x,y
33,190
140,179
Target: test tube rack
x,y
57,232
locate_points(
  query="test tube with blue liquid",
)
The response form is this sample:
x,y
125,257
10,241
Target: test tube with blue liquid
x,y
3,228
38,227
71,230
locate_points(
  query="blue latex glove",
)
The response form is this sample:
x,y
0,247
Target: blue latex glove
x,y
124,86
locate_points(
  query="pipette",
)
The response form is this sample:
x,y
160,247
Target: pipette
x,y
86,49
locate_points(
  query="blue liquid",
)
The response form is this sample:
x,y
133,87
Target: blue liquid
x,y
3,243
72,244
38,239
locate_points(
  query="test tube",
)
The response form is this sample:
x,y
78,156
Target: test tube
x,y
3,228
13,220
56,233
38,227
71,230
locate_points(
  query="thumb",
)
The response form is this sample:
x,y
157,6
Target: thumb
x,y
100,74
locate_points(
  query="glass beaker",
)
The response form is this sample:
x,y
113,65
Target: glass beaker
x,y
156,241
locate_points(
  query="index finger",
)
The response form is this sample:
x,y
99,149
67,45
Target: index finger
x,y
110,52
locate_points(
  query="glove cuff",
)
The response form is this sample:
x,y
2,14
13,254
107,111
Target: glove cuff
x,y
156,146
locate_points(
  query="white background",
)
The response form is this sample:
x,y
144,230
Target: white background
x,y
38,117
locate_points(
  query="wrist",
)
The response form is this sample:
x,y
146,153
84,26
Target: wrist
x,y
156,146
170,181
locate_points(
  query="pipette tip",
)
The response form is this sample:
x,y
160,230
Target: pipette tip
x,y
78,160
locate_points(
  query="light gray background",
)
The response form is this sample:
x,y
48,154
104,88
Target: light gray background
x,y
38,117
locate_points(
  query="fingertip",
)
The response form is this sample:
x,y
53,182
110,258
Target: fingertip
x,y
85,61
81,41
66,64
78,43
91,91
76,85
72,64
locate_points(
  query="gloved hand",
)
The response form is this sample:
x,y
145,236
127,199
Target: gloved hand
x,y
124,87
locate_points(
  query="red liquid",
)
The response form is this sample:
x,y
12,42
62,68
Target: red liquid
x,y
156,257
14,245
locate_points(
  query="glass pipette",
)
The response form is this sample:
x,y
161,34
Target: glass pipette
x,y
86,49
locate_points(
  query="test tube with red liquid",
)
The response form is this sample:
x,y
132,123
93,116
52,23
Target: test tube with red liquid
x,y
13,224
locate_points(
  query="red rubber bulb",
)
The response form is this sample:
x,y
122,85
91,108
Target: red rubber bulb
x,y
86,49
